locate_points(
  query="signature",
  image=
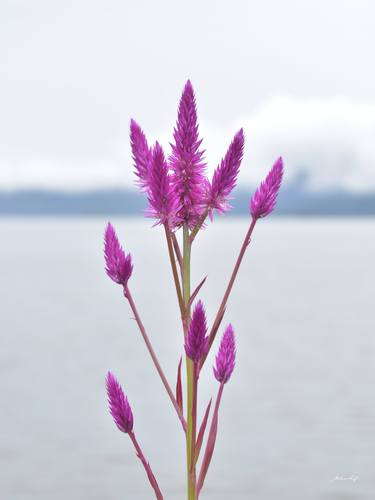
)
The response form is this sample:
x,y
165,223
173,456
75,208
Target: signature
x,y
352,478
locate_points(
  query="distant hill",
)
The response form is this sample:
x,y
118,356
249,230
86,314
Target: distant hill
x,y
293,200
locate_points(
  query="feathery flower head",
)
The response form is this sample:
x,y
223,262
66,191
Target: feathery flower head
x,y
186,161
119,406
163,202
141,154
119,266
226,357
264,199
196,342
225,176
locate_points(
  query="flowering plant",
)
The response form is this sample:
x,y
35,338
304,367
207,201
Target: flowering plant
x,y
180,197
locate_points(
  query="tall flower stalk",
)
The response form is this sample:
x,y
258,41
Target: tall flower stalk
x,y
181,198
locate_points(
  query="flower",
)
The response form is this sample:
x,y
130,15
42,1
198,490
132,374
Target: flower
x,y
141,154
118,265
119,406
225,176
163,202
226,357
186,160
264,199
196,342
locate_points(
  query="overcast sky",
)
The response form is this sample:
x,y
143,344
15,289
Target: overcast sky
x,y
299,76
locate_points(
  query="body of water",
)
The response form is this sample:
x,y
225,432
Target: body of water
x,y
297,419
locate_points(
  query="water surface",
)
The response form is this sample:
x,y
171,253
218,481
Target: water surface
x,y
298,412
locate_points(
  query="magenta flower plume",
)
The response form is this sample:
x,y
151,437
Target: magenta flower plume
x,y
119,406
225,176
264,199
186,161
141,154
163,202
118,265
196,343
226,357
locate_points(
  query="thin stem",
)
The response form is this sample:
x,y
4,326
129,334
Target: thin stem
x,y
177,250
186,278
198,225
220,313
147,467
153,356
174,270
189,363
194,420
218,399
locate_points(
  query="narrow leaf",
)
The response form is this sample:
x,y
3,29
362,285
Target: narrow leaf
x,y
210,446
202,431
195,293
179,398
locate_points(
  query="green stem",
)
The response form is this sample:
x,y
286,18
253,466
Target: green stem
x,y
174,270
194,422
190,437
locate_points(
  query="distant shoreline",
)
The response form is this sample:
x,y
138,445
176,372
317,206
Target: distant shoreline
x,y
293,201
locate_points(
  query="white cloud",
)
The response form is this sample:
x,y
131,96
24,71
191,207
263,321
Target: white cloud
x,y
332,141
64,175
328,142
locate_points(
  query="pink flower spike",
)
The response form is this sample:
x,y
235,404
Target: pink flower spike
x,y
226,357
225,176
186,161
119,266
196,343
264,199
163,202
141,154
119,406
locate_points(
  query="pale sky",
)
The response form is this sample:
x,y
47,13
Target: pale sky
x,y
299,76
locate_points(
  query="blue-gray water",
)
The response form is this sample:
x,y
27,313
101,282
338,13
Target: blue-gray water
x,y
298,412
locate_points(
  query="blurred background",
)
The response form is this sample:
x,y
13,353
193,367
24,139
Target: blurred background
x,y
298,416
